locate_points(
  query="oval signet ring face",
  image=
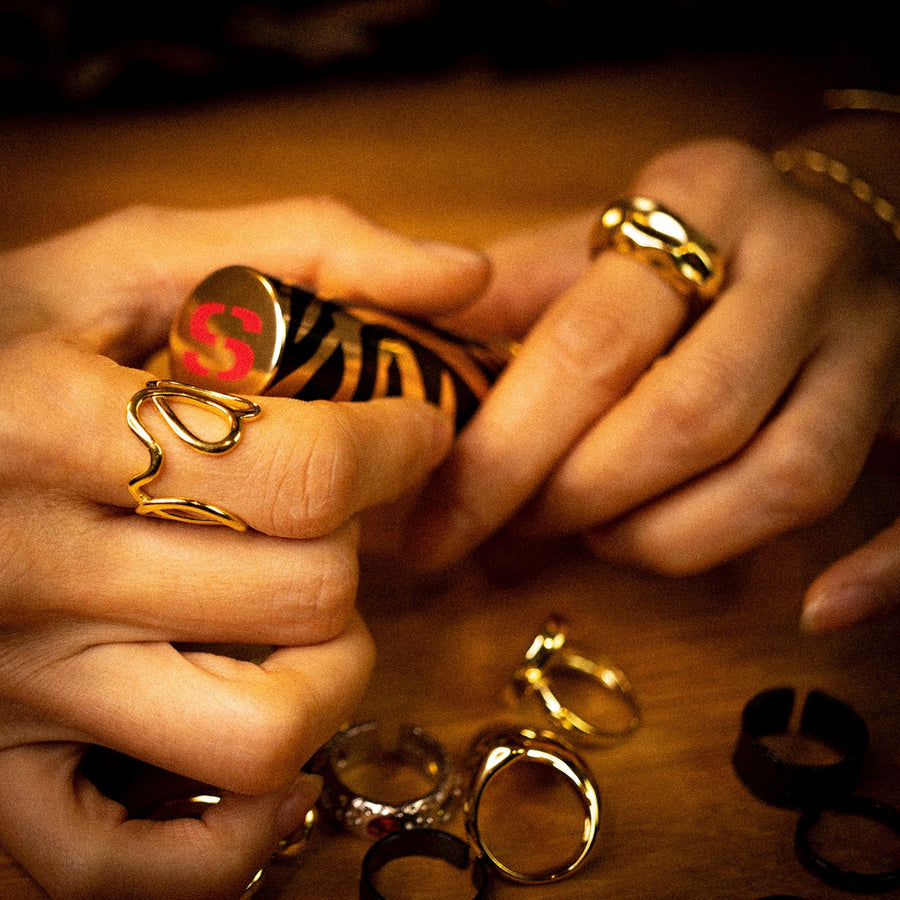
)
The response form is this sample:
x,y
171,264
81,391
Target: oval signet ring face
x,y
533,807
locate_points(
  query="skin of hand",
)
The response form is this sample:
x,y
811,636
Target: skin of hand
x,y
102,612
676,445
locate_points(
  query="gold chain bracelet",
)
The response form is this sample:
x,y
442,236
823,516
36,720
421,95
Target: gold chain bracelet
x,y
816,161
787,160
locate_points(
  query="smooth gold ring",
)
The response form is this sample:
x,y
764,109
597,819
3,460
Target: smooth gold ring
x,y
497,750
641,228
548,653
161,393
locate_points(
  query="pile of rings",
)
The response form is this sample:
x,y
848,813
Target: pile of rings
x,y
411,827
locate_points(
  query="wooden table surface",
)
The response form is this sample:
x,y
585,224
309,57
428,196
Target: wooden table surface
x,y
468,157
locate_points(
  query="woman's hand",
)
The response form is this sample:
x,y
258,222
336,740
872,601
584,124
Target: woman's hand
x,y
669,448
106,618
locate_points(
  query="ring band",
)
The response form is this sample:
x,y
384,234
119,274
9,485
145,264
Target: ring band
x,y
231,408
497,750
548,652
419,842
831,873
641,228
792,785
370,746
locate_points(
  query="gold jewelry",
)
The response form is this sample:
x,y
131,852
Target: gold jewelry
x,y
852,98
641,228
232,409
788,160
496,751
549,654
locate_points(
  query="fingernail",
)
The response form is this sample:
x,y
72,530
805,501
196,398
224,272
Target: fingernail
x,y
295,804
454,252
835,609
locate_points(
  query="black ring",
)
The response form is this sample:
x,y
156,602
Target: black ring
x,y
857,882
796,785
419,842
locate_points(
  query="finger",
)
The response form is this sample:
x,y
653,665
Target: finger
x,y
300,469
705,400
863,585
180,583
578,360
798,468
530,270
147,259
78,844
245,726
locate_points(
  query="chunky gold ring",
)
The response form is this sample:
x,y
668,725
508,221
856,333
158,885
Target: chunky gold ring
x,y
161,393
641,228
391,760
498,750
549,653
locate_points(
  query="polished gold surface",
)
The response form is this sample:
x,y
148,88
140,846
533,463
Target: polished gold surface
x,y
644,230
499,752
549,664
233,410
470,157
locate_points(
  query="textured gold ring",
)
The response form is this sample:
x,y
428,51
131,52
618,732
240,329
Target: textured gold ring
x,y
161,394
685,260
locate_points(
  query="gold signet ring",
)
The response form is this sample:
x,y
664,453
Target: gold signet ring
x,y
685,260
161,393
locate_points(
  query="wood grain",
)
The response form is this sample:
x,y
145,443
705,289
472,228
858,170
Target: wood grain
x,y
469,157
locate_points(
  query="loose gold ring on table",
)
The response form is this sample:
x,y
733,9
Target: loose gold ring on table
x,y
497,751
641,228
382,753
229,407
548,652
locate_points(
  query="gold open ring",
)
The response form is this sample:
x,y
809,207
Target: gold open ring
x,y
161,393
641,228
549,657
498,751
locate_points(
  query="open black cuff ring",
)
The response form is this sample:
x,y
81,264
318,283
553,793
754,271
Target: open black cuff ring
x,y
420,842
794,785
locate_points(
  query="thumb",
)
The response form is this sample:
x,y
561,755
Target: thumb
x,y
77,843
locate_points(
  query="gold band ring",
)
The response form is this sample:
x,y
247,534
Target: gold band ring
x,y
497,751
161,393
549,657
641,228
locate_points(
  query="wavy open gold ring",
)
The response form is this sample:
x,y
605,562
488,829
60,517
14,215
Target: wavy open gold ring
x,y
685,260
549,661
161,394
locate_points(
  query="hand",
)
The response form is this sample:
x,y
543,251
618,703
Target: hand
x,y
668,448
103,613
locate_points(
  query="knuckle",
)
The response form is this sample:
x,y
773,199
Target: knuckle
x,y
312,481
701,407
328,591
804,481
601,352
701,169
273,746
